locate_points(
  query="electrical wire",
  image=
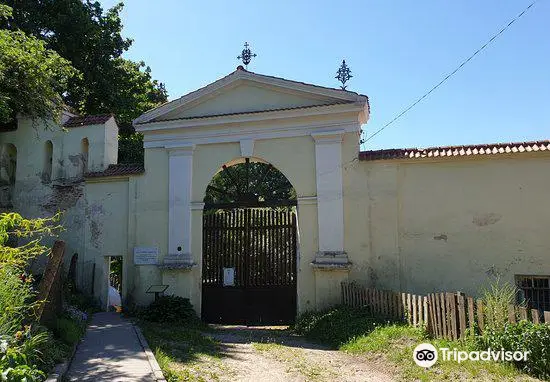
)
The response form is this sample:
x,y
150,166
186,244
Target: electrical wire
x,y
407,109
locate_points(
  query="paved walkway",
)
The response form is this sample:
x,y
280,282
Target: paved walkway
x,y
110,351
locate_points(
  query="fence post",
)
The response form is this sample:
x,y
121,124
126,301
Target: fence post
x,y
535,316
471,316
480,316
547,317
461,314
522,313
443,315
511,314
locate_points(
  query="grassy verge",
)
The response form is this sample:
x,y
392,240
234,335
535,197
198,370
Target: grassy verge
x,y
183,352
391,345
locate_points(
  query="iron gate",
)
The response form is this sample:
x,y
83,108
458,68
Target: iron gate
x,y
257,246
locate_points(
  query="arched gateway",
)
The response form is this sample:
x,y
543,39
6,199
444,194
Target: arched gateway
x,y
249,246
231,243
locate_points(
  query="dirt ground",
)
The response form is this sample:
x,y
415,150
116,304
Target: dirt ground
x,y
248,354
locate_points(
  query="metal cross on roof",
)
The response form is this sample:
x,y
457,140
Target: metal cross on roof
x,y
246,55
343,74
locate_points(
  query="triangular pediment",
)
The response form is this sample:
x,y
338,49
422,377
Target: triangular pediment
x,y
243,92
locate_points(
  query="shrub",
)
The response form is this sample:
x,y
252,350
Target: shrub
x,y
69,330
497,297
173,309
15,299
336,326
15,366
523,336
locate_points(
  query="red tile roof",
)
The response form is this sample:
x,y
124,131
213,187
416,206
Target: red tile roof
x,y
118,170
457,151
87,120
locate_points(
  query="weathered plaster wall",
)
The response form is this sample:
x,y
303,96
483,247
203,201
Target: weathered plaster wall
x,y
37,195
106,231
453,224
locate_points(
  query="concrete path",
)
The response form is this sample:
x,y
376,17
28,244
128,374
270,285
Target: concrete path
x,y
110,351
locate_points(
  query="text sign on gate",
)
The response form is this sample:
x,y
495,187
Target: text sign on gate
x,y
146,255
229,277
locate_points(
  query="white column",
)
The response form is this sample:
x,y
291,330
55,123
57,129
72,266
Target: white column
x,y
179,200
330,204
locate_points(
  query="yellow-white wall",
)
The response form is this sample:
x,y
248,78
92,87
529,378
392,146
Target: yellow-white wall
x,y
449,224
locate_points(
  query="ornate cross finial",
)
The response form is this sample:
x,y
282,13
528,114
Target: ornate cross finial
x,y
343,74
246,55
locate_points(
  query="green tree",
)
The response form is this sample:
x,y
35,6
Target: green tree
x,y
254,181
91,39
32,77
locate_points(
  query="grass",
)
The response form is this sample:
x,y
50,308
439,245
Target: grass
x,y
395,344
391,345
183,352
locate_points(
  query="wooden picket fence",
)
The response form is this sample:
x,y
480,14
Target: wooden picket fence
x,y
444,315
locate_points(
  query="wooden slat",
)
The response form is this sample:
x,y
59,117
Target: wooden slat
x,y
433,321
471,315
409,308
461,315
444,318
437,303
425,311
511,314
547,317
535,316
454,323
404,314
522,313
414,310
480,316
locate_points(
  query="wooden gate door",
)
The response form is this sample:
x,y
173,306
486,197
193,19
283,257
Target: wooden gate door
x,y
249,266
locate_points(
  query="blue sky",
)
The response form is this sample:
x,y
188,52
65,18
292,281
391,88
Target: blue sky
x,y
397,50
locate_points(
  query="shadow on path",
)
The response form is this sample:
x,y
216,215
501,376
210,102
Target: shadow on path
x,y
110,351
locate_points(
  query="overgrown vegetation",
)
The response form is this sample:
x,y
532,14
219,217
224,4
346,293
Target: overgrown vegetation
x,y
27,349
24,344
357,331
522,336
180,347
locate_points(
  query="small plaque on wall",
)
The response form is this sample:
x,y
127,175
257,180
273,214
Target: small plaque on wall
x,y
146,255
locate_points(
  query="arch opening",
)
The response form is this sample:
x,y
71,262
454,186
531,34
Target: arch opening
x,y
249,249
249,183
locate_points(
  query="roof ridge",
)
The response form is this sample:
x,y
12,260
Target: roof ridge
x,y
467,150
86,120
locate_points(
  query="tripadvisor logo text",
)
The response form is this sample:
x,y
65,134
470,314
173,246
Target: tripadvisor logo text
x,y
426,355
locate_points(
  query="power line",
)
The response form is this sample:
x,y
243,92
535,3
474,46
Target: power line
x,y
450,74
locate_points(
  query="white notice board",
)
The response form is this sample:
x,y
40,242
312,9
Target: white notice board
x,y
229,277
146,255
